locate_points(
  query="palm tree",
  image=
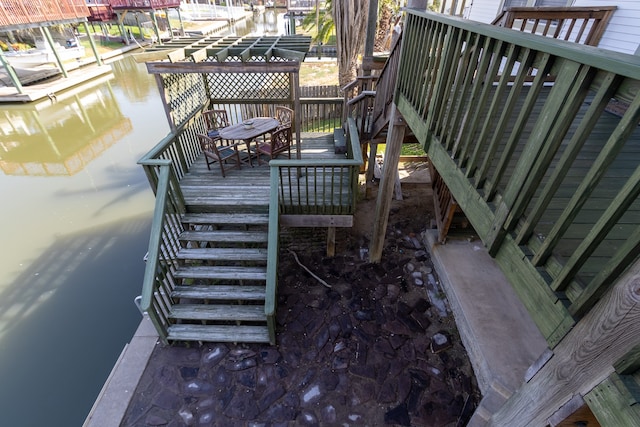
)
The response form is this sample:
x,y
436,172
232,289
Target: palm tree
x,y
350,18
322,20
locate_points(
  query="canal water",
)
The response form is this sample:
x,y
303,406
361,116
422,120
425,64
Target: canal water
x,y
75,220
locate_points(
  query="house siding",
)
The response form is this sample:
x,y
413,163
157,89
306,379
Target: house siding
x,y
485,10
623,32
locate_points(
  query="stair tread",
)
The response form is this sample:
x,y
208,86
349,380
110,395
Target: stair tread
x,y
218,333
221,272
220,292
228,254
226,218
224,236
218,312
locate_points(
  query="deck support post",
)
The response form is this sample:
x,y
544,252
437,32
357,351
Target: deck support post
x,y
583,359
156,29
394,141
12,73
92,43
331,242
47,36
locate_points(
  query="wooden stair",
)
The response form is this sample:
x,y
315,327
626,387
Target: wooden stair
x,y
222,275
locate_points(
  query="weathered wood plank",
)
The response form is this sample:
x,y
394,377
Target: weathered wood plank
x,y
316,220
216,218
221,273
247,313
609,402
223,254
583,359
220,292
218,333
224,236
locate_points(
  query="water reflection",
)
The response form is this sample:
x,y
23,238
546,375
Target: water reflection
x,y
269,23
61,137
75,227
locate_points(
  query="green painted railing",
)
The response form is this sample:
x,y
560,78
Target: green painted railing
x,y
165,164
181,147
159,278
538,141
302,188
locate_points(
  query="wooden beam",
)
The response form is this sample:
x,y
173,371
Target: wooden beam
x,y
611,403
581,361
393,147
316,220
222,67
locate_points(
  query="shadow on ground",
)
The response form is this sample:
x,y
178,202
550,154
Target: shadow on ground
x,y
372,349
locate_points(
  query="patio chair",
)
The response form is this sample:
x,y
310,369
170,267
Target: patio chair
x,y
279,143
214,120
219,153
285,116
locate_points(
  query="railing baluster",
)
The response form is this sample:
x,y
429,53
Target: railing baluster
x,y
468,66
492,58
545,63
608,153
447,76
605,279
493,109
598,104
618,206
509,107
562,106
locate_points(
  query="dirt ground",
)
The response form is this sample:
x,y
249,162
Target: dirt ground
x,y
358,343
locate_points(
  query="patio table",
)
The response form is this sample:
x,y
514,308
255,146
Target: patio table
x,y
260,126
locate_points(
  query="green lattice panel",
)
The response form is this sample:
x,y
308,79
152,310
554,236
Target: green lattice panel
x,y
238,86
185,95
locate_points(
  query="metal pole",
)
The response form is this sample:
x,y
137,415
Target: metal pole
x,y
92,43
12,73
47,36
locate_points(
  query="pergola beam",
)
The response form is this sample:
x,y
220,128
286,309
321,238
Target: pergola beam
x,y
262,49
222,67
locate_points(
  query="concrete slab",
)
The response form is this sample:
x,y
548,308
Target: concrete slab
x,y
116,394
501,339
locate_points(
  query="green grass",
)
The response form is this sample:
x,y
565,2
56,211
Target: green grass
x,y
407,150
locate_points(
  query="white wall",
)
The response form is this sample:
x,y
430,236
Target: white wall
x,y
623,32
484,10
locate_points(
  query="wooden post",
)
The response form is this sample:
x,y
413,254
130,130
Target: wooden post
x,y
47,36
395,137
181,22
583,359
297,108
372,23
156,29
11,72
92,43
331,242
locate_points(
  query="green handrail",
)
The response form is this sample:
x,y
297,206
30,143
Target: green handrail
x,y
518,127
353,164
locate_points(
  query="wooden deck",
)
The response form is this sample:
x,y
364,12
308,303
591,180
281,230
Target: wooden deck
x,y
247,188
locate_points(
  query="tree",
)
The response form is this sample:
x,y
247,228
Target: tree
x,y
350,18
322,20
388,17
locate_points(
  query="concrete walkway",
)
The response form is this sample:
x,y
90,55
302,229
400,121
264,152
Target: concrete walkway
x,y
501,339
